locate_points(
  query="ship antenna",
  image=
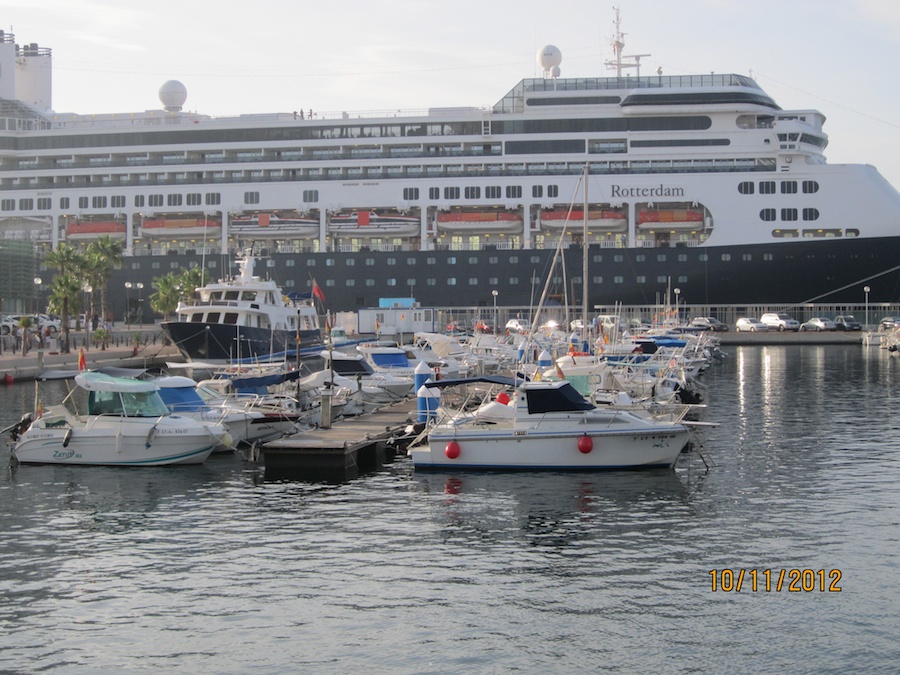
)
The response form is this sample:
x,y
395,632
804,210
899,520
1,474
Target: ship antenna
x,y
618,44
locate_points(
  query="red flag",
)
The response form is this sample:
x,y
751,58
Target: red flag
x,y
82,363
316,291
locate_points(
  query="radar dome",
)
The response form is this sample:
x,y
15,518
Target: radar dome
x,y
549,57
173,94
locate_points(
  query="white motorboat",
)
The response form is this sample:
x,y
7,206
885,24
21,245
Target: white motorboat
x,y
547,426
123,422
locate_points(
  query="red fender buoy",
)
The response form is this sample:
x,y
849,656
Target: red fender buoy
x,y
452,450
585,444
503,398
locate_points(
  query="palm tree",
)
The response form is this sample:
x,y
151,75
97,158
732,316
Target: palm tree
x,y
69,262
168,294
65,295
191,279
105,255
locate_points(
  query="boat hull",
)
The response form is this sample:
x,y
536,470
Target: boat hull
x,y
117,441
552,450
201,341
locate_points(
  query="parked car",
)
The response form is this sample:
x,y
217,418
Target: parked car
x,y
889,323
780,321
7,325
818,324
747,324
709,323
517,326
847,322
37,321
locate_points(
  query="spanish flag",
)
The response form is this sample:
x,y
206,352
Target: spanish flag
x,y
82,363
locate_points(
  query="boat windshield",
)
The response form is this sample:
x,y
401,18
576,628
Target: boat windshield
x,y
390,360
563,399
128,404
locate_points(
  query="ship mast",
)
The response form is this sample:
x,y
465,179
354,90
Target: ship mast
x,y
618,44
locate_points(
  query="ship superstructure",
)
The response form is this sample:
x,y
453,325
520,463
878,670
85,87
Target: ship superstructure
x,y
699,180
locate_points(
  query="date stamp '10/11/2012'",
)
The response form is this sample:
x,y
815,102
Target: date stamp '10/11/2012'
x,y
791,580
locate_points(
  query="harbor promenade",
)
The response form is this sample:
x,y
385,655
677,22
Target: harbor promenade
x,y
121,352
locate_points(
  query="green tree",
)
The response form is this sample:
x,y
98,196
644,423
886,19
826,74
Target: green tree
x,y
168,294
65,297
69,263
103,255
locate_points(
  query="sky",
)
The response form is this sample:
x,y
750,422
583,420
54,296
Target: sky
x,y
835,56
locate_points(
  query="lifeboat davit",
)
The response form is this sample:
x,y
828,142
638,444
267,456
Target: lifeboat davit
x,y
480,221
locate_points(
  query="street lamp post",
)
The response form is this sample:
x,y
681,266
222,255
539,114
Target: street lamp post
x,y
866,290
127,304
677,314
87,315
495,294
37,294
140,288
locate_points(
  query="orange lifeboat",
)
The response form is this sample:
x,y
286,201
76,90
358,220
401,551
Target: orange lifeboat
x,y
669,219
166,227
480,221
93,229
608,220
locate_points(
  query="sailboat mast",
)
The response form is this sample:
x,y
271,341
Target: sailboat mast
x,y
584,261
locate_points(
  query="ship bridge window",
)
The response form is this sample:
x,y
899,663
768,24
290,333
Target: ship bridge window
x,y
213,317
196,317
232,295
746,187
230,318
249,296
215,295
810,139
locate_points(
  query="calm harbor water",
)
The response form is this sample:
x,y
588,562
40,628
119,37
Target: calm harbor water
x,y
214,569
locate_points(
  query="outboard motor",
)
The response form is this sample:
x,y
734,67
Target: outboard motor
x,y
21,426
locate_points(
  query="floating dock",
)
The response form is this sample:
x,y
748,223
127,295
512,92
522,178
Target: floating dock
x,y
341,452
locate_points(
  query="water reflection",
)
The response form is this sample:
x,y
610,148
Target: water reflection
x,y
550,509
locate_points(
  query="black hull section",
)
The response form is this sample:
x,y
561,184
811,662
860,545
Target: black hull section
x,y
776,274
218,342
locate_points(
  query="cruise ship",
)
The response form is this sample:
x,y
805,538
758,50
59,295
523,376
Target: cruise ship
x,y
697,181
